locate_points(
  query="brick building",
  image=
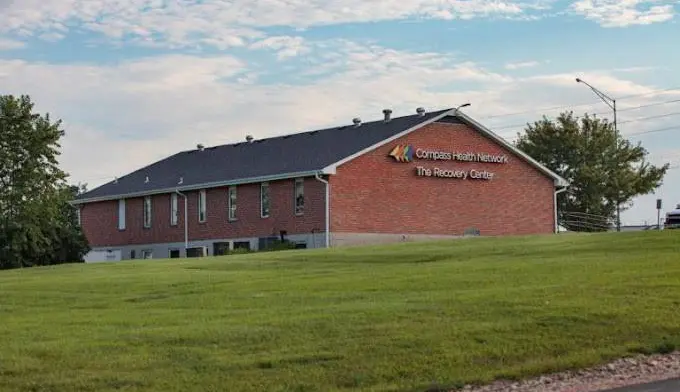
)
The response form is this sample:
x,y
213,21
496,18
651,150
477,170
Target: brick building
x,y
427,175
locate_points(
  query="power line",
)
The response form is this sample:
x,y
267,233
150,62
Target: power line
x,y
654,131
620,110
650,117
579,105
647,105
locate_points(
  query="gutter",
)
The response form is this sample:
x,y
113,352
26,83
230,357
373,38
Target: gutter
x,y
217,184
316,175
555,206
186,222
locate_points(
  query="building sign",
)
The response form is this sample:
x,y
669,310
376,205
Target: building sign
x,y
472,174
408,153
402,153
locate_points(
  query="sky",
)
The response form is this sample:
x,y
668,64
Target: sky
x,y
137,80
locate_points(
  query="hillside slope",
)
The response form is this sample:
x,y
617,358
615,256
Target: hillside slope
x,y
392,318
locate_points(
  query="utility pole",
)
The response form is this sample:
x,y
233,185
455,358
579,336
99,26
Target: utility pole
x,y
611,102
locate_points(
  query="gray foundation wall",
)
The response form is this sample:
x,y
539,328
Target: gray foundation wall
x,y
311,241
162,250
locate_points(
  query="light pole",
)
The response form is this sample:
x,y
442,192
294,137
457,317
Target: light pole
x,y
463,105
611,102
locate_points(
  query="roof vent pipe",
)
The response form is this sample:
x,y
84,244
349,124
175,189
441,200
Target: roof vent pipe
x,y
200,147
356,121
387,113
249,138
420,111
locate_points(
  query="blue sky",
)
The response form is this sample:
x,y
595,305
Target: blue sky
x,y
137,80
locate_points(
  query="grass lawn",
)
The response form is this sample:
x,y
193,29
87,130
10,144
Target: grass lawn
x,y
405,317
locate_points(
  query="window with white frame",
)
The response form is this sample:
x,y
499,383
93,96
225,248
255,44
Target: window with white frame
x,y
264,200
78,217
201,205
121,214
174,210
147,212
299,197
231,203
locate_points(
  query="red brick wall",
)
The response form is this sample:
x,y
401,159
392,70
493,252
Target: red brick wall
x,y
376,194
100,220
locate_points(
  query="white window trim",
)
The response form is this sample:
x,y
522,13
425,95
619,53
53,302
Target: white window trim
x,y
264,185
295,188
78,216
231,207
174,209
121,214
202,201
147,218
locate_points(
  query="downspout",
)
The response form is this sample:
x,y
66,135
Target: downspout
x,y
555,206
328,225
186,222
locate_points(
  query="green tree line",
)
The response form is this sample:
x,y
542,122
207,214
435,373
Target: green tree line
x,y
606,171
38,226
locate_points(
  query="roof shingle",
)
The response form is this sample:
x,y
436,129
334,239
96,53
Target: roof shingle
x,y
296,153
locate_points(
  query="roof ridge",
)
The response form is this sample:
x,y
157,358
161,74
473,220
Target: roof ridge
x,y
331,128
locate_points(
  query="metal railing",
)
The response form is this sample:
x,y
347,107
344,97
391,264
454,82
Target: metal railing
x,y
584,222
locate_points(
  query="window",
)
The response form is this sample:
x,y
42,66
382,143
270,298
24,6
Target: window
x,y
78,218
121,214
231,203
299,196
264,200
173,209
147,211
201,205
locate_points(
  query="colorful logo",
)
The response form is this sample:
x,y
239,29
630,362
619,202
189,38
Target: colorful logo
x,y
402,153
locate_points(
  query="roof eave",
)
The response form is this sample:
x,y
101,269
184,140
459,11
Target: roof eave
x,y
192,187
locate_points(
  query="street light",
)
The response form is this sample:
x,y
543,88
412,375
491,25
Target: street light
x,y
611,102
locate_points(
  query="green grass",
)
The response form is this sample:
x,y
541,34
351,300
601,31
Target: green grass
x,y
406,317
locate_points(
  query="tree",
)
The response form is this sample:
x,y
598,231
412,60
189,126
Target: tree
x,y
35,218
606,171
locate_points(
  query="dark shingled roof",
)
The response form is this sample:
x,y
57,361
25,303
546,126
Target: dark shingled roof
x,y
297,153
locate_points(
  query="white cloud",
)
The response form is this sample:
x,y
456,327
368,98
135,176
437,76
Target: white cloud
x,y
284,46
8,44
524,64
225,23
622,13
